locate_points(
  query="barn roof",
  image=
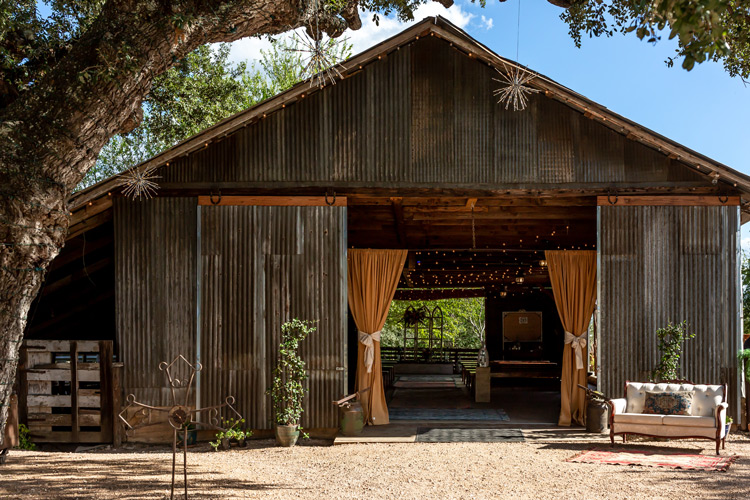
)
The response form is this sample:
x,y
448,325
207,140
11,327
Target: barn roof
x,y
461,41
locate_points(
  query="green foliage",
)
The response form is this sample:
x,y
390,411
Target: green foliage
x,y
463,321
201,90
232,431
704,29
289,374
744,358
24,438
671,340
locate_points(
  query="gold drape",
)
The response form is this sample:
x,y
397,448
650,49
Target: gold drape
x,y
573,276
372,280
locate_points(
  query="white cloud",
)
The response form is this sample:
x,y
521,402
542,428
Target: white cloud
x,y
486,23
248,49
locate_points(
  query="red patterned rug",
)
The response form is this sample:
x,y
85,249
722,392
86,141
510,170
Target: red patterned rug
x,y
651,458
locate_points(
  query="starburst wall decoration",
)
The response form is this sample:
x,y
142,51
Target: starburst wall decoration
x,y
139,183
317,67
514,89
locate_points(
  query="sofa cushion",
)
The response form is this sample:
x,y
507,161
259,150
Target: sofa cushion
x,y
705,400
689,421
668,403
638,418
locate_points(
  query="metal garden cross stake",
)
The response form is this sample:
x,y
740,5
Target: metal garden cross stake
x,y
179,416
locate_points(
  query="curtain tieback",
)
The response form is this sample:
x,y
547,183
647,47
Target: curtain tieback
x,y
578,343
367,339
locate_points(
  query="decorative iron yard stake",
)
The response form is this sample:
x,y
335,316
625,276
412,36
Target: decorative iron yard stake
x,y
179,416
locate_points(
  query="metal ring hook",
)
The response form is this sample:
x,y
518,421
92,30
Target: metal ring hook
x,y
609,199
211,197
723,199
330,203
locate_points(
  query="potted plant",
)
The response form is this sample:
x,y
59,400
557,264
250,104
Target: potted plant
x,y
671,340
289,374
232,436
728,423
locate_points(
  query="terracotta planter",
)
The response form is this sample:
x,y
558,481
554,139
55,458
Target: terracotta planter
x,y
287,435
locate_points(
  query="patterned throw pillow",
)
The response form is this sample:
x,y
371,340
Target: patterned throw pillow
x,y
669,403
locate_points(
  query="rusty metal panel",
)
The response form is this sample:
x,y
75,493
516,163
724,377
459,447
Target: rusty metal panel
x,y
424,116
661,264
260,267
155,252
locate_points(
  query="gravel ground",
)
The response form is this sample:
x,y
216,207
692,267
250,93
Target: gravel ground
x,y
406,470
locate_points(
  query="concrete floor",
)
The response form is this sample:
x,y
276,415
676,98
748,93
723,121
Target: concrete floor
x,y
532,405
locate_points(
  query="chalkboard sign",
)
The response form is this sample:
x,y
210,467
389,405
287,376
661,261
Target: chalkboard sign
x,y
522,326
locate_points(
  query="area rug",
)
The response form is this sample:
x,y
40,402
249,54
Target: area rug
x,y
424,385
427,378
432,435
447,414
650,458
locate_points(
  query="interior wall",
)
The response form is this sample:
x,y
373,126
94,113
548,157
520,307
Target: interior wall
x,y
552,330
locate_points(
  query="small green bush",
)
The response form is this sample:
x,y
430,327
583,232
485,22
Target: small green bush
x,y
671,340
24,438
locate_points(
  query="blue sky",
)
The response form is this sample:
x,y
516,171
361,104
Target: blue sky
x,y
703,109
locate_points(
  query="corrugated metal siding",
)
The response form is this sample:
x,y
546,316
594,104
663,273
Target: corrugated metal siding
x,y
155,252
661,264
425,116
262,266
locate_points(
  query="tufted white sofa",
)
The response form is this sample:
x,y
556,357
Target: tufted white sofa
x,y
707,419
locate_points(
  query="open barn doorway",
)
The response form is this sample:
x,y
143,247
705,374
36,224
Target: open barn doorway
x,y
475,274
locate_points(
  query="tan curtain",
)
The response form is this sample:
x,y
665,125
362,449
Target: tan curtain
x,y
372,281
573,276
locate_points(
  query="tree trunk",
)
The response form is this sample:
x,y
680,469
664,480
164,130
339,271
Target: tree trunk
x,y
52,134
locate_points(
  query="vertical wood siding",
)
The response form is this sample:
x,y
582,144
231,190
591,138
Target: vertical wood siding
x,y
661,264
262,266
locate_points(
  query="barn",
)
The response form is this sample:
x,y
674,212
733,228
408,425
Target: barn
x,y
406,178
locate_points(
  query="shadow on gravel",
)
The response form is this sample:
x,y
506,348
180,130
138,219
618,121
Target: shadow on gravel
x,y
52,476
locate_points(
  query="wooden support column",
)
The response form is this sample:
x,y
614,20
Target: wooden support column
x,y
23,386
74,424
107,409
117,428
398,219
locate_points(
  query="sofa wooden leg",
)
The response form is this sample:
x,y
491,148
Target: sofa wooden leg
x,y
624,438
723,443
718,442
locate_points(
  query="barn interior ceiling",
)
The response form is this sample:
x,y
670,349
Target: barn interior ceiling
x,y
481,245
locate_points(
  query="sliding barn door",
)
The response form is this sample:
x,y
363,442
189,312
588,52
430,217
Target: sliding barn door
x,y
669,263
259,267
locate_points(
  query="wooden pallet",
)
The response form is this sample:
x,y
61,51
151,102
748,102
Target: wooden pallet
x,y
70,391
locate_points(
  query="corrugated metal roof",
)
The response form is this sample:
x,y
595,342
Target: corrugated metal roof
x,y
442,29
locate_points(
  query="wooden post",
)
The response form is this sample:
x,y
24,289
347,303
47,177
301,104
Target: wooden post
x,y
74,424
105,390
117,428
23,386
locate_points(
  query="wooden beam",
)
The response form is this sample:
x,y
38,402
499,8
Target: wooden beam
x,y
272,201
669,201
407,294
89,224
90,209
